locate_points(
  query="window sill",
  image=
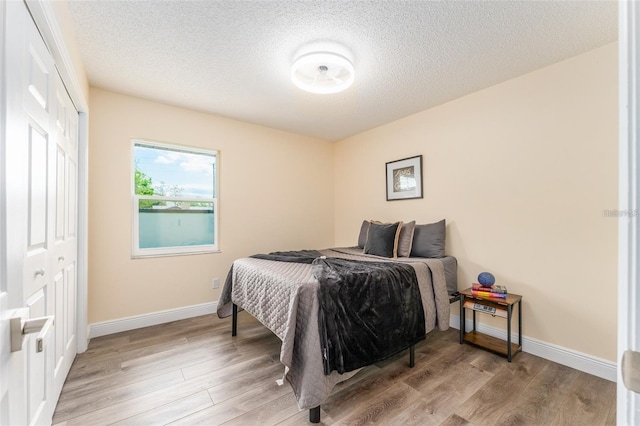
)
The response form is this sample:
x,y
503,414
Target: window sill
x,y
152,255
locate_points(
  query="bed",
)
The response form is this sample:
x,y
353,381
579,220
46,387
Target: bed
x,y
284,296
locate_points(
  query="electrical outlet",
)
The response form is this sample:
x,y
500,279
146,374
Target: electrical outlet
x,y
216,283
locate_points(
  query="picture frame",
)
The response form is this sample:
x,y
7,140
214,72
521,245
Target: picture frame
x,y
404,178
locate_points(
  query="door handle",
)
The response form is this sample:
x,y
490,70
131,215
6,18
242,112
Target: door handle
x,y
21,327
630,370
40,271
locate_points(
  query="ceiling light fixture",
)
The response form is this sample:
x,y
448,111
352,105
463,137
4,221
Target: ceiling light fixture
x,y
322,72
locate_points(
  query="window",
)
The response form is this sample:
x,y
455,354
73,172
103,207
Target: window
x,y
175,205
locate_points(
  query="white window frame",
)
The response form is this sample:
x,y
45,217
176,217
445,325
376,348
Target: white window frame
x,y
136,251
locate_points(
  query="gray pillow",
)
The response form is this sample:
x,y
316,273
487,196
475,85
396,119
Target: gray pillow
x,y
428,240
362,238
405,242
382,239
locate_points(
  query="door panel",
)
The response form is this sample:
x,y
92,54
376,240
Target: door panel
x,y
13,409
72,216
65,252
39,77
628,401
61,114
71,291
60,195
38,188
36,361
39,244
59,301
39,112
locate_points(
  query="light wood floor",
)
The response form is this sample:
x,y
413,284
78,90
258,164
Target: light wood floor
x,y
193,372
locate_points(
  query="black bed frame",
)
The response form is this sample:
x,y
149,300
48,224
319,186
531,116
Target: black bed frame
x,y
314,413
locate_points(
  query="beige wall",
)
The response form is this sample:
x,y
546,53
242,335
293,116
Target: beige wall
x,y
522,172
276,193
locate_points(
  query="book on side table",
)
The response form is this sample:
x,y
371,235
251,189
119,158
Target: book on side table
x,y
497,291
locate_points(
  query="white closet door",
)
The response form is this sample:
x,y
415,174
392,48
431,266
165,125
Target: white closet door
x,y
64,253
39,245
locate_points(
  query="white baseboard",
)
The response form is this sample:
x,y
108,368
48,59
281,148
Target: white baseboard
x,y
589,364
139,321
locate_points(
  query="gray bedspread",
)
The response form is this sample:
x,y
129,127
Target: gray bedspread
x,y
283,297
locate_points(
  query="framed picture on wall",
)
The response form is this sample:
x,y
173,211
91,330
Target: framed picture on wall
x,y
404,179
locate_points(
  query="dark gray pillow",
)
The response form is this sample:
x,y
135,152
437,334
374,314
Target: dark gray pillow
x,y
362,238
405,242
382,239
428,240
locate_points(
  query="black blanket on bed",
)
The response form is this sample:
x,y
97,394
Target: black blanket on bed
x,y
368,311
299,256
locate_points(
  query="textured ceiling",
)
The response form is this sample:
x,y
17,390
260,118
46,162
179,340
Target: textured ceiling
x,y
233,58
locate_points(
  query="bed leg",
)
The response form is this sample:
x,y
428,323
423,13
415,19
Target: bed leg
x,y
234,320
314,414
412,356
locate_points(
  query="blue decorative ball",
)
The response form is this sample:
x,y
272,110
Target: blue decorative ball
x,y
486,279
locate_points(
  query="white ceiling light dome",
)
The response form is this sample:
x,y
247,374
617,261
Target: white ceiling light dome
x,y
322,72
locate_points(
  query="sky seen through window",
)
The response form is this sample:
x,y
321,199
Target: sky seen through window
x,y
193,173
